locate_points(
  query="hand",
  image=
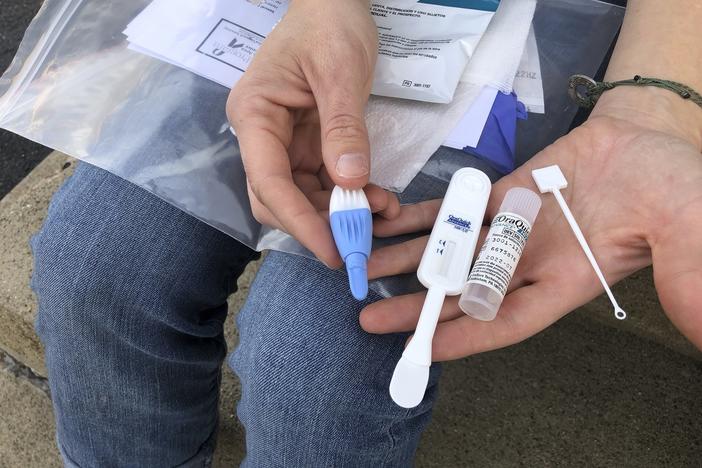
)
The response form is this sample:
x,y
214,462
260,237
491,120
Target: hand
x,y
636,192
298,113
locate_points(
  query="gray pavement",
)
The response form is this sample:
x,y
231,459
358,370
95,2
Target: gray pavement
x,y
579,394
26,425
18,156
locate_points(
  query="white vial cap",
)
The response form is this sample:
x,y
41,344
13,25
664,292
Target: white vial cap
x,y
523,202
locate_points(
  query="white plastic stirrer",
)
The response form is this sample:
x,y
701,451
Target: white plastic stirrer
x,y
551,179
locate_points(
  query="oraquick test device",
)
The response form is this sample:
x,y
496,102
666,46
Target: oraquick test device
x,y
443,271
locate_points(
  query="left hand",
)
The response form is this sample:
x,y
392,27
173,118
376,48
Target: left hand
x,y
298,113
636,191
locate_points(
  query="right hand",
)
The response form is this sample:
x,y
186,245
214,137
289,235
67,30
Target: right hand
x,y
298,113
635,185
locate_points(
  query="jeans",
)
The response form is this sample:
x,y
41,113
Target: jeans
x,y
132,299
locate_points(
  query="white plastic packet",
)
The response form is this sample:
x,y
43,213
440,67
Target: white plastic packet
x,y
423,49
404,134
528,84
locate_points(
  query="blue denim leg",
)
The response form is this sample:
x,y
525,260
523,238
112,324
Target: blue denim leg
x,y
132,299
314,384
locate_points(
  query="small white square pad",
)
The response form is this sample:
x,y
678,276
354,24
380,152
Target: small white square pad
x,y
549,178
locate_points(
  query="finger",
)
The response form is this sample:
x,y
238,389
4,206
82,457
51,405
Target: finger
x,y
525,310
404,257
268,171
307,182
327,182
264,130
320,200
412,218
260,212
523,313
383,203
341,101
401,313
396,259
305,149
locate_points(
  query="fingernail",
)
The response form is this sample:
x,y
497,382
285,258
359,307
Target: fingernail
x,y
352,165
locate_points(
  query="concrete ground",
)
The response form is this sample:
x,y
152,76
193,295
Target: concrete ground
x,y
589,391
26,425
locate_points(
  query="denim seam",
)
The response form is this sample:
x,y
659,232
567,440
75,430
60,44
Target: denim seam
x,y
393,439
68,461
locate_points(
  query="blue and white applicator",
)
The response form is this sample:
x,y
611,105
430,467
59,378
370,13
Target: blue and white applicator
x,y
352,227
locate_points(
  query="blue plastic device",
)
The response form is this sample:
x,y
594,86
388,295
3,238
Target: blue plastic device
x,y
352,227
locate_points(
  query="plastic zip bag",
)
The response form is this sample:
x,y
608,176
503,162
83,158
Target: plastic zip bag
x,y
75,87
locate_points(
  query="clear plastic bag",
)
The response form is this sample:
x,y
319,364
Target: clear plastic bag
x,y
75,87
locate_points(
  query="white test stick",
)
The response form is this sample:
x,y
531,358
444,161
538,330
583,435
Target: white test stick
x,y
443,271
551,179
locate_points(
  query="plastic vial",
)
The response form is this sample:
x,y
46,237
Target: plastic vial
x,y
499,255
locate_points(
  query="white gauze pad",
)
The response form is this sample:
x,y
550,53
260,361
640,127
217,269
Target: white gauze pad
x,y
404,134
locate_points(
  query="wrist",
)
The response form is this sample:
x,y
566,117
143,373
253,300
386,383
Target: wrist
x,y
653,108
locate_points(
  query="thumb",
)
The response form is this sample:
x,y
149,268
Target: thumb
x,y
677,271
345,145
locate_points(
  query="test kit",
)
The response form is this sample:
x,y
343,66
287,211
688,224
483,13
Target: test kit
x,y
443,270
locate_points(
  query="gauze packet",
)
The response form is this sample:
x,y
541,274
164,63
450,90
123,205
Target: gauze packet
x,y
423,49
404,134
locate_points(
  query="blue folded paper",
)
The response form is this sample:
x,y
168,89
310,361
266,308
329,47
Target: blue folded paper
x,y
498,140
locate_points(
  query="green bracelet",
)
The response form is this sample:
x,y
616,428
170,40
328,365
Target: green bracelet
x,y
585,91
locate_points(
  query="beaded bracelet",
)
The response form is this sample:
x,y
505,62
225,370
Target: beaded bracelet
x,y
585,91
